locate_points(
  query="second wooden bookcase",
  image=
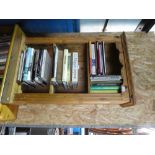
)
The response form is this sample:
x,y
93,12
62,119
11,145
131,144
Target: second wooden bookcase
x,y
115,45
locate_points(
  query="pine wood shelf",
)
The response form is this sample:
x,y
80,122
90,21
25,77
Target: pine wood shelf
x,y
11,92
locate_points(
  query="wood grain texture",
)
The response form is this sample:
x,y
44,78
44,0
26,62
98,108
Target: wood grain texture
x,y
10,75
141,48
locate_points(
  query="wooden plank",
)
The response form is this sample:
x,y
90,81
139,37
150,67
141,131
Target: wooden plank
x,y
72,38
10,75
128,73
71,98
8,112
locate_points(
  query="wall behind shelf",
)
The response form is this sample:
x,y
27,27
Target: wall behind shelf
x,y
39,26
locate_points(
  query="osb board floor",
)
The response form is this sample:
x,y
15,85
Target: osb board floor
x,y
141,49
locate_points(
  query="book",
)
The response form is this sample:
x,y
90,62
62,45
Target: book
x,y
3,59
75,69
90,59
93,67
101,69
21,66
28,66
37,67
55,64
43,71
104,58
105,84
98,58
64,72
59,68
105,87
104,91
106,78
46,67
69,71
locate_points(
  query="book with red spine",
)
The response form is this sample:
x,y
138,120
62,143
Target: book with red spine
x,y
98,58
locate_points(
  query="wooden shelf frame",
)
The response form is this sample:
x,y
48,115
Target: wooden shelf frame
x,y
12,94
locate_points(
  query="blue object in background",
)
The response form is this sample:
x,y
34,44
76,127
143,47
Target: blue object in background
x,y
45,25
76,131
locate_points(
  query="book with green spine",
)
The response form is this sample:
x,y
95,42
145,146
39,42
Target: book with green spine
x,y
104,91
105,87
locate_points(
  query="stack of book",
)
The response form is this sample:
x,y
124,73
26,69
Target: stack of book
x,y
34,68
100,81
4,48
65,68
106,84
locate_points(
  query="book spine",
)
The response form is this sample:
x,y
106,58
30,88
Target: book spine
x,y
64,72
105,87
105,84
104,58
90,59
28,68
21,65
93,66
106,78
55,61
75,69
101,59
98,58
69,70
26,74
104,91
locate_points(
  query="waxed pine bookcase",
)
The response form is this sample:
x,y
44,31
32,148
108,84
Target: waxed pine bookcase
x,y
115,45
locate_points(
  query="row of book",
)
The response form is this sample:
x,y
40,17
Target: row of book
x,y
100,82
65,68
97,59
34,68
4,48
106,84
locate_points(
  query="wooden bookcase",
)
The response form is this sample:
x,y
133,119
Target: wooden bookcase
x,y
11,92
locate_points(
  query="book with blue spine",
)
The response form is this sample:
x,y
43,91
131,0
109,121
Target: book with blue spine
x,y
28,66
105,87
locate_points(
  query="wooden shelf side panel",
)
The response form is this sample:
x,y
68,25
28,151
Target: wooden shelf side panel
x,y
10,86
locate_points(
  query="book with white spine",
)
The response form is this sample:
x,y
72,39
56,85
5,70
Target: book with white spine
x,y
69,71
75,68
64,71
106,78
28,66
56,53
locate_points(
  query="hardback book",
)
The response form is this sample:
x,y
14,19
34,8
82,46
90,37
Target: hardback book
x,y
64,72
46,67
59,67
101,69
90,59
104,91
98,58
3,59
28,66
104,58
105,87
43,72
69,71
106,78
93,67
55,63
21,66
75,69
37,67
